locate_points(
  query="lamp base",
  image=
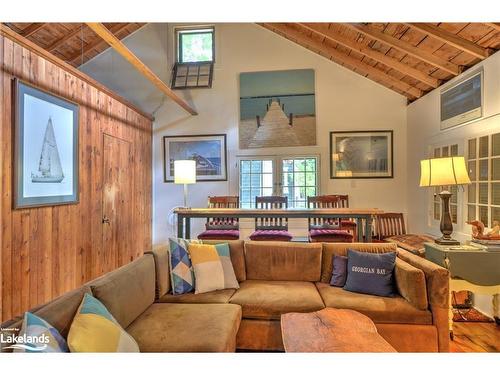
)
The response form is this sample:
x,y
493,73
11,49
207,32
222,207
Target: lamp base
x,y
447,242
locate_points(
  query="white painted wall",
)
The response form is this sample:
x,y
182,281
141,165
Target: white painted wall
x,y
424,132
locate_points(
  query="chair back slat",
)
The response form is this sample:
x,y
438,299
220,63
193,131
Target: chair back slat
x,y
270,203
223,222
389,224
323,201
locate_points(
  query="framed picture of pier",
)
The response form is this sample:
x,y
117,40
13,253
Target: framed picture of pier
x,y
361,154
277,109
46,148
209,151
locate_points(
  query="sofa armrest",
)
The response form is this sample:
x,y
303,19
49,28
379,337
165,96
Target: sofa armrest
x,y
410,282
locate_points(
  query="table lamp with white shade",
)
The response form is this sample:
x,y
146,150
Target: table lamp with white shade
x,y
444,172
185,173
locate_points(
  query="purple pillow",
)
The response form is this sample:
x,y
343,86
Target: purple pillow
x,y
339,273
370,273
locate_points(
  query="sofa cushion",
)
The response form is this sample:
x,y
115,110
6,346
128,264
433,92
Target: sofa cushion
x,y
127,291
237,253
269,299
283,261
330,249
166,327
379,309
217,296
410,282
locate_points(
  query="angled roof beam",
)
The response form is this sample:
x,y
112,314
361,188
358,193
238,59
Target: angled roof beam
x,y
59,42
119,47
305,40
371,53
451,39
31,29
407,48
494,25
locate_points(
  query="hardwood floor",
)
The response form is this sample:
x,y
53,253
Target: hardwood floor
x,y
475,337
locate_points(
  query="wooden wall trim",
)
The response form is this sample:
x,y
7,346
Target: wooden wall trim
x,y
26,43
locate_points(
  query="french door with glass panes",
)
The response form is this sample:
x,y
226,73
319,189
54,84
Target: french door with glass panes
x,y
295,177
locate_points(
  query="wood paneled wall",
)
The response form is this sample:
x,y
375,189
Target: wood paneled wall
x,y
50,250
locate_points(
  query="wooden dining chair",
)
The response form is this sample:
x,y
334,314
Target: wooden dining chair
x,y
346,224
274,228
222,228
327,229
389,224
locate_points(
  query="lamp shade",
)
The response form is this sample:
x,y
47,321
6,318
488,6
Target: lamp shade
x,y
444,171
184,171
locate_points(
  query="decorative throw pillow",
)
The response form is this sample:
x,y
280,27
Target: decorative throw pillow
x,y
181,269
339,273
95,330
370,273
38,336
227,266
207,268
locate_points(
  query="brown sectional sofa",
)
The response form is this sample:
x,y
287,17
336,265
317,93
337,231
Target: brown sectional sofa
x,y
275,278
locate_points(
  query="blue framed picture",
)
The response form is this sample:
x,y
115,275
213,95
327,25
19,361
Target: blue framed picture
x,y
46,148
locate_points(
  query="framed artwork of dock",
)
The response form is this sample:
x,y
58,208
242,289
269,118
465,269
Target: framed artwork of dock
x,y
46,148
277,109
209,151
361,154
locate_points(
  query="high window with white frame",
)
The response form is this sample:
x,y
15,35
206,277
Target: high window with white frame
x,y
293,177
483,195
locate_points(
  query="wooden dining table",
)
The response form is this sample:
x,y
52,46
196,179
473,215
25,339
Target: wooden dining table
x,y
360,216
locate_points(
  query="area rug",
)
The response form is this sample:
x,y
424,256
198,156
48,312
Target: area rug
x,y
470,315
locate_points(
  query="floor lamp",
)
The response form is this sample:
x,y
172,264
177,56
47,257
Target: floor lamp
x,y
185,173
444,172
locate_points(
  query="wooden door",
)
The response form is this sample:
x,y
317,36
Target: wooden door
x,y
117,206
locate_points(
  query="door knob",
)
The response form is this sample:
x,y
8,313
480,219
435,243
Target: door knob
x,y
105,220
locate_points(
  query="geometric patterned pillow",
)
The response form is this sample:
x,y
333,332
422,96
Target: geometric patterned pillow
x,y
38,336
225,258
95,330
181,269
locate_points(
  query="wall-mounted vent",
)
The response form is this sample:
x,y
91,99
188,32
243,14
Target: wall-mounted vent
x,y
463,102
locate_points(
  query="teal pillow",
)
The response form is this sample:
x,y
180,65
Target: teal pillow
x,y
38,336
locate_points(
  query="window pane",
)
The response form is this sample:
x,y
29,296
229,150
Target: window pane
x,y
267,192
267,166
471,212
256,166
311,179
444,152
245,180
299,165
483,147
471,193
287,179
495,193
453,209
311,165
437,152
453,190
483,215
196,46
437,211
311,191
483,193
472,148
495,214
483,170
472,170
300,179
495,144
245,166
495,169
454,150
267,180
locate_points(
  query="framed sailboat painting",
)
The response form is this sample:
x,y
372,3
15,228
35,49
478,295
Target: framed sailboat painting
x,y
46,148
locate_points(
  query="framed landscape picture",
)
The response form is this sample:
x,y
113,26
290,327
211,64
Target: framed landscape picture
x,y
209,152
361,154
46,148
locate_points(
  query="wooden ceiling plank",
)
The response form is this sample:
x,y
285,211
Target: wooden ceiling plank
x,y
58,42
358,64
375,55
31,29
407,48
494,25
96,43
119,47
452,39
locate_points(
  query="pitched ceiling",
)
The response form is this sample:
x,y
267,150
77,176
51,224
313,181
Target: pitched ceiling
x,y
74,43
409,58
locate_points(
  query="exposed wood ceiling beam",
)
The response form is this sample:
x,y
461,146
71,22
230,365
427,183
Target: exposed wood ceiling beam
x,y
494,25
340,57
97,43
119,47
406,48
451,39
323,30
31,29
59,42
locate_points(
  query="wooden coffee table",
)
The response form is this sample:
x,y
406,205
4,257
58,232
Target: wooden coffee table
x,y
331,330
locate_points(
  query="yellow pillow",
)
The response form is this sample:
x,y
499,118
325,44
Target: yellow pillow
x,y
207,266
94,330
